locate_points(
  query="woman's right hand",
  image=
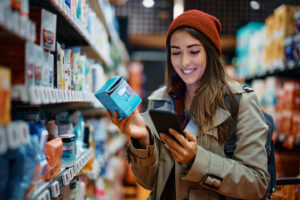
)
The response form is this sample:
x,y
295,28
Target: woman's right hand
x,y
133,126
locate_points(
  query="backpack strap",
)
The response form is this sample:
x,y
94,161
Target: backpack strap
x,y
230,145
232,129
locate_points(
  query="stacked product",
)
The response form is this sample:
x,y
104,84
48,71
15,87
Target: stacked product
x,y
275,45
247,49
279,25
292,44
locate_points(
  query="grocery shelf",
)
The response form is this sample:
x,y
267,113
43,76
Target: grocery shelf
x,y
69,30
18,27
288,181
5,32
98,8
38,95
51,189
291,70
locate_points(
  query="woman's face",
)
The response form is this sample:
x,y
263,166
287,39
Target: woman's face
x,y
188,57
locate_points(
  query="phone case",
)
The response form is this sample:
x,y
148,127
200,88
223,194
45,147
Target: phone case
x,y
163,120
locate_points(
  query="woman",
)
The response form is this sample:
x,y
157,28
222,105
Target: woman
x,y
196,167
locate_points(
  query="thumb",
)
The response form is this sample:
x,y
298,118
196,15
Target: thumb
x,y
190,136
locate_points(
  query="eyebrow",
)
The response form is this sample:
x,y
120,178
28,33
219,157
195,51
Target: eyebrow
x,y
189,46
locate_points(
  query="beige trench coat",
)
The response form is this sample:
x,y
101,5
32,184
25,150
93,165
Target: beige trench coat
x,y
243,177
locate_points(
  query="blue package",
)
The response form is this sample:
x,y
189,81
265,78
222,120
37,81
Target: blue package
x,y
23,161
68,2
117,95
38,128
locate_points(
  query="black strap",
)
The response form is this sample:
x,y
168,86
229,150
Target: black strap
x,y
232,127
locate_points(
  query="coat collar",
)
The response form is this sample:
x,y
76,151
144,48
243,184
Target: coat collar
x,y
160,95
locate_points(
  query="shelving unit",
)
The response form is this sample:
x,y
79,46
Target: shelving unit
x,y
43,100
38,95
52,188
70,31
291,70
98,8
20,29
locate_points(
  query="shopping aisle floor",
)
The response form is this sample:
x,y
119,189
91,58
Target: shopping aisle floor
x,y
135,193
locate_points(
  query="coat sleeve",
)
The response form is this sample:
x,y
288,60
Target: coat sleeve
x,y
245,176
144,162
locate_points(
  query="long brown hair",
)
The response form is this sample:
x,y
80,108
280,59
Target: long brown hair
x,y
212,89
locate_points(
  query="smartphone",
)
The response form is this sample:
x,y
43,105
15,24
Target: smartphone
x,y
163,120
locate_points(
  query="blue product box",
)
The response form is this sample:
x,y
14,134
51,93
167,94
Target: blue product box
x,y
117,95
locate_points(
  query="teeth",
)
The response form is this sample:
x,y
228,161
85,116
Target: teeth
x,y
187,71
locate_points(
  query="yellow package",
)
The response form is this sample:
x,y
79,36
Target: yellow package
x,y
5,92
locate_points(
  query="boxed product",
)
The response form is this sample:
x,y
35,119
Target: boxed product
x,y
45,27
117,95
68,56
5,96
285,20
59,67
39,64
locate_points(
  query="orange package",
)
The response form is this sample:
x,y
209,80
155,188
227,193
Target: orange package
x,y
53,152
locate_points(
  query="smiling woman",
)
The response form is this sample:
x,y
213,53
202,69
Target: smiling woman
x,y
195,164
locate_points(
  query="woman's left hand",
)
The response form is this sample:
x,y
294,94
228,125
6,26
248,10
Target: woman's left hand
x,y
183,151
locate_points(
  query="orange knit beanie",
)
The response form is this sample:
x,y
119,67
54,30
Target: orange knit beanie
x,y
207,24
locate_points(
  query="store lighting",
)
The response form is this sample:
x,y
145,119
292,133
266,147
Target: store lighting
x,y
255,5
148,3
178,8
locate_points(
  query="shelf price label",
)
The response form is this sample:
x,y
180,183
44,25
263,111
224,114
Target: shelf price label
x,y
65,178
44,196
55,191
3,141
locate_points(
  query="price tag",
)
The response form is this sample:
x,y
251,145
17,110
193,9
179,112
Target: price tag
x,y
65,178
71,173
24,131
77,167
60,95
38,95
46,98
12,136
3,141
55,191
44,196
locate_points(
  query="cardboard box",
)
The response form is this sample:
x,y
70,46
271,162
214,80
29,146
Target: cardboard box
x,y
117,95
45,27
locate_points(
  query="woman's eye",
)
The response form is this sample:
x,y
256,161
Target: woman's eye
x,y
194,52
175,53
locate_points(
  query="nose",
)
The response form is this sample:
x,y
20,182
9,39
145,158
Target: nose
x,y
185,60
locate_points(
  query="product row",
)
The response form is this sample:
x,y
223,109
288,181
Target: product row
x,y
17,22
35,153
281,98
263,47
